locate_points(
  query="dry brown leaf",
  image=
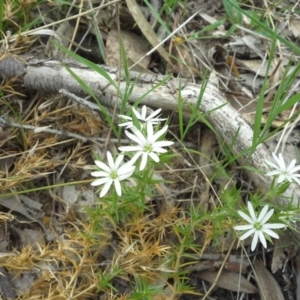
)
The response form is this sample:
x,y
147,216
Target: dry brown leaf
x,y
210,260
207,149
285,249
255,45
297,275
146,29
229,280
7,290
62,36
277,72
255,66
23,283
77,198
267,286
248,46
3,240
81,196
197,57
184,63
134,46
294,25
24,206
31,237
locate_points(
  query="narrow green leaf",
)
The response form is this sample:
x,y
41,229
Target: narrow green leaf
x,y
268,32
91,65
234,14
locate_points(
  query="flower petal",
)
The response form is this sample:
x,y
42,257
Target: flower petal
x,y
296,179
126,168
159,150
245,217
105,188
281,178
125,176
271,233
100,174
163,143
137,114
136,156
100,181
291,165
263,213
154,114
118,187
110,160
150,132
125,117
254,241
127,125
251,211
136,136
262,238
126,172
273,173
118,161
130,148
144,161
154,156
274,226
247,234
267,216
295,169
271,164
280,161
160,133
102,166
243,227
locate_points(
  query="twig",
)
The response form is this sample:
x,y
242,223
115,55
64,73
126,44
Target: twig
x,y
47,129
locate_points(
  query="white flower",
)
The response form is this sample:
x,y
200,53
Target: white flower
x,y
112,173
146,145
258,226
152,118
284,173
142,117
127,124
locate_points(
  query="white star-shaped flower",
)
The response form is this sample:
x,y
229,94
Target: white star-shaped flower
x,y
258,226
284,173
128,123
146,145
114,172
152,118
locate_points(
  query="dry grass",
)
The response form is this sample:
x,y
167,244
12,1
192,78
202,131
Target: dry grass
x,y
66,245
65,263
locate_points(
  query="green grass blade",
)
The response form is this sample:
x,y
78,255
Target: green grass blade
x,y
267,31
234,14
90,92
99,40
195,109
91,65
261,100
158,18
180,112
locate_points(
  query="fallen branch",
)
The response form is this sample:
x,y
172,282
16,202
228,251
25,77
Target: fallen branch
x,y
52,76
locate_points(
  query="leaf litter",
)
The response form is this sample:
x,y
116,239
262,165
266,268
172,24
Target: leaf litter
x,y
55,242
